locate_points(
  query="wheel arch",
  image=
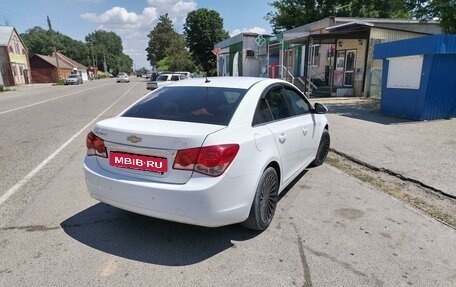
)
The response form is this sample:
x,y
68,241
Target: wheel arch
x,y
275,165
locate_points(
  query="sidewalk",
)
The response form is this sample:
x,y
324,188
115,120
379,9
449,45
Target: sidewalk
x,y
424,151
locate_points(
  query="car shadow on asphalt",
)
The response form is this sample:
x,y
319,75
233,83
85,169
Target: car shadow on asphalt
x,y
368,110
150,240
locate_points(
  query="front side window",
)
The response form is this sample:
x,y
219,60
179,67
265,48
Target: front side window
x,y
296,101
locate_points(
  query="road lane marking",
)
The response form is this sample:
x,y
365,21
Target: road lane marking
x,y
49,100
4,197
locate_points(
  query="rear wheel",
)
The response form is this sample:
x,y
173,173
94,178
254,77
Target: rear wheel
x,y
265,201
323,149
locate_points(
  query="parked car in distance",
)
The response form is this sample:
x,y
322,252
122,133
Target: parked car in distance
x,y
73,79
122,78
207,151
163,80
188,75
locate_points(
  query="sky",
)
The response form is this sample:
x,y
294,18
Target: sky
x,y
132,20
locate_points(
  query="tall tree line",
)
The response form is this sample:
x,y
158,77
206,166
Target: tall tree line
x,y
289,14
98,46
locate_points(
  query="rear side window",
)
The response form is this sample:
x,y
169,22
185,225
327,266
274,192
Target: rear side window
x,y
189,104
162,78
278,104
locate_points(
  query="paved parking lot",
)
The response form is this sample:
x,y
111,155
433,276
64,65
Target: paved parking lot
x,y
330,229
423,151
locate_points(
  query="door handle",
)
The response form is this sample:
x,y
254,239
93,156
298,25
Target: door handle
x,y
304,131
282,138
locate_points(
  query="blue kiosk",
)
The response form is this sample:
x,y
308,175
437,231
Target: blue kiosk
x,y
419,77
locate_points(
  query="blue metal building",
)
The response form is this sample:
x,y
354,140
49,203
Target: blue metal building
x,y
419,77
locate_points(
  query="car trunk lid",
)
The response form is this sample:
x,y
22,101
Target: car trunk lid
x,y
146,148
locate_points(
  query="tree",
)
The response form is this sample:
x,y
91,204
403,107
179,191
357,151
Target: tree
x,y
290,14
179,57
108,45
203,28
166,48
160,39
39,41
444,10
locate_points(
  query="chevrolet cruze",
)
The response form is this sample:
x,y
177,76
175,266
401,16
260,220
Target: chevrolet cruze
x,y
207,151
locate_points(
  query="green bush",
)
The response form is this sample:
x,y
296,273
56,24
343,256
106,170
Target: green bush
x,y
4,89
59,82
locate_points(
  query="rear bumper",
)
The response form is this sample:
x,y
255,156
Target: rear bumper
x,y
204,201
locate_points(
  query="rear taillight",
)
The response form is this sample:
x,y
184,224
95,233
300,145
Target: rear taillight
x,y
95,146
209,160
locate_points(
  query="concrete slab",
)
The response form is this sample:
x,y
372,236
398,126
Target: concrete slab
x,y
425,151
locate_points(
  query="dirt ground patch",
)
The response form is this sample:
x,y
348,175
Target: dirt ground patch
x,y
439,206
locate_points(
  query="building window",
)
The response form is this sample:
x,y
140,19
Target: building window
x,y
10,49
21,69
16,46
13,68
314,55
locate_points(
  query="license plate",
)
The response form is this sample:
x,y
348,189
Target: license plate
x,y
138,162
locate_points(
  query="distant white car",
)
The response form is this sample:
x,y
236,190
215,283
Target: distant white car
x,y
122,78
163,80
207,151
187,75
73,79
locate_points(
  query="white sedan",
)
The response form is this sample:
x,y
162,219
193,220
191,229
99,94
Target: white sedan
x,y
207,151
163,80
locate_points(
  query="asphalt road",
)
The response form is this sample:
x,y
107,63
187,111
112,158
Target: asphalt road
x,y
329,229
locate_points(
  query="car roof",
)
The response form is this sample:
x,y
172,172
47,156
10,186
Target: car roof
x,y
225,82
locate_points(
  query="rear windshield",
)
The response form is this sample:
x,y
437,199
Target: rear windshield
x,y
189,104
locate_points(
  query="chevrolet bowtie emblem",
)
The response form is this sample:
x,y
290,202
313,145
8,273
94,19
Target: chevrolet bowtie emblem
x,y
134,139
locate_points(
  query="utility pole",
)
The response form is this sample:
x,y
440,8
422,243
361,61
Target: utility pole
x,y
55,49
93,57
105,67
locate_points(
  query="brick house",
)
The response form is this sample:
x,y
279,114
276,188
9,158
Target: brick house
x,y
14,62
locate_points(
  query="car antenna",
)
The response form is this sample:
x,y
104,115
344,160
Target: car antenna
x,y
207,80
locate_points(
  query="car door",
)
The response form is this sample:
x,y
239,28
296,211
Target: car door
x,y
287,132
302,111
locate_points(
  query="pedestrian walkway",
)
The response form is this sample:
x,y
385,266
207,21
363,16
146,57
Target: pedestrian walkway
x,y
424,151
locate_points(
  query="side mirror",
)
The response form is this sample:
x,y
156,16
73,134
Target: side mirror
x,y
320,108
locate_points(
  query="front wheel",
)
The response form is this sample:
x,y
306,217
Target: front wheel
x,y
265,201
323,149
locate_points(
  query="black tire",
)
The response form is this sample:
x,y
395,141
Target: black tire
x,y
323,149
264,202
